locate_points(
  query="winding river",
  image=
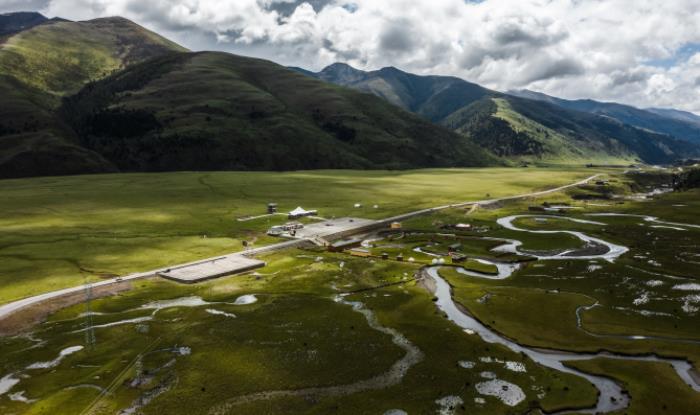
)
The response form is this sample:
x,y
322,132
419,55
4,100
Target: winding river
x,y
614,251
611,396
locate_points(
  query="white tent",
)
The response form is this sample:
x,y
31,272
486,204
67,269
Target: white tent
x,y
299,211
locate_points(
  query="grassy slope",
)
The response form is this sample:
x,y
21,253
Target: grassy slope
x,y
41,64
557,147
209,111
60,57
54,232
34,141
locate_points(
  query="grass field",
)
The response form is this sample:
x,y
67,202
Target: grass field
x,y
300,349
294,337
57,232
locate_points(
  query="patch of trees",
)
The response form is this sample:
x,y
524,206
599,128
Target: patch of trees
x,y
120,123
334,126
477,121
688,180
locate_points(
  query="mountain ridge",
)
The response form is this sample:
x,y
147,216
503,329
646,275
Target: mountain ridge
x,y
654,120
496,120
107,111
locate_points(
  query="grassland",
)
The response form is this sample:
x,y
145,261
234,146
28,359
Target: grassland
x,y
666,394
297,337
57,232
294,337
634,296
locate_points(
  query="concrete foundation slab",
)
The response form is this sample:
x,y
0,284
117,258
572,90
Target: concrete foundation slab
x,y
213,268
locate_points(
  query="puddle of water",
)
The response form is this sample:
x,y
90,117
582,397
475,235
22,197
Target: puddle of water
x,y
19,397
515,367
245,299
466,364
220,313
508,393
7,383
53,363
176,302
118,323
687,287
448,404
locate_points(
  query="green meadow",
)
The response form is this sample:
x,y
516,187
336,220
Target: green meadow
x,y
302,348
60,231
296,336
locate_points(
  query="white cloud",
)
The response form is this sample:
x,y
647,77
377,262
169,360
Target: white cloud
x,y
610,50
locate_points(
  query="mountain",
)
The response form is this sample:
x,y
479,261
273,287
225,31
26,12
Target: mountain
x,y
523,128
60,57
433,97
218,111
685,126
686,116
44,62
16,22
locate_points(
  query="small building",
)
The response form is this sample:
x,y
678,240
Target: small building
x,y
363,253
457,258
300,212
271,208
275,231
339,246
454,247
291,227
385,255
463,226
395,225
399,257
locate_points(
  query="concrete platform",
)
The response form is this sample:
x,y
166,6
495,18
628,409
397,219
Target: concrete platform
x,y
213,268
334,228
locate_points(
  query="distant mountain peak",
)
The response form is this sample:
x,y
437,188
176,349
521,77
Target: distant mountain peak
x,y
18,21
342,71
339,66
112,19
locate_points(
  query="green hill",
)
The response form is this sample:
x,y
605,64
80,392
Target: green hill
x,y
514,127
685,126
60,57
39,64
217,111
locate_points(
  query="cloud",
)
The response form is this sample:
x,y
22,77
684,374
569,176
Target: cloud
x,y
642,52
22,5
398,37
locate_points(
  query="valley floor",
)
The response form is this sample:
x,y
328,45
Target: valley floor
x,y
321,332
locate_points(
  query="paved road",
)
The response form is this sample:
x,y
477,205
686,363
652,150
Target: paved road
x,y
10,308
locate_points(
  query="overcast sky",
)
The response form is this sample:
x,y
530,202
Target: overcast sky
x,y
640,52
